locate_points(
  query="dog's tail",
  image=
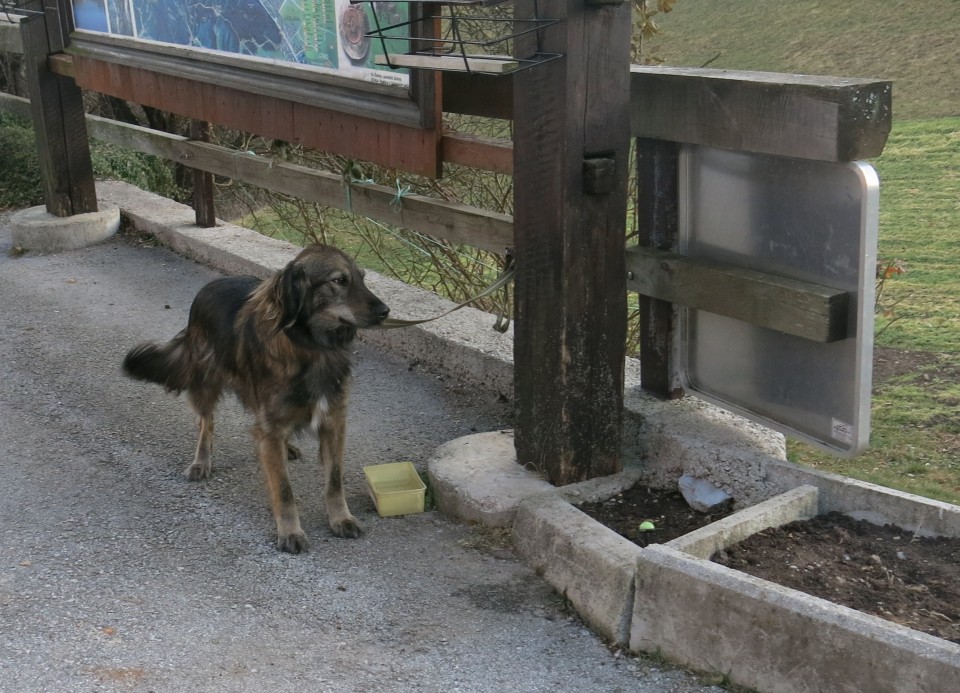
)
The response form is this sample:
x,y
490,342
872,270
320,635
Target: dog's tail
x,y
165,364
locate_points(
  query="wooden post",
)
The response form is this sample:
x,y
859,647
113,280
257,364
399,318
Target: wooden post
x,y
657,227
58,116
203,206
571,149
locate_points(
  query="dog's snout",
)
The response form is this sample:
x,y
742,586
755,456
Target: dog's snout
x,y
381,310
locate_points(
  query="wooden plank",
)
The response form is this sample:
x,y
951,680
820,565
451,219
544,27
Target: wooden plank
x,y
828,118
657,227
570,326
804,309
57,110
61,64
821,118
274,78
454,222
455,63
276,119
57,25
388,144
487,153
203,202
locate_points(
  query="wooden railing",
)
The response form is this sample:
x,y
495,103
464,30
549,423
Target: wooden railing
x,y
826,119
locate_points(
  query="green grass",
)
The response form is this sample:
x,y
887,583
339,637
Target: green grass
x,y
920,225
915,445
20,184
452,272
914,44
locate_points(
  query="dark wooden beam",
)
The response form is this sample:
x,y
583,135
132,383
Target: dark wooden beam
x,y
657,228
486,153
58,118
822,118
808,310
571,165
451,221
203,202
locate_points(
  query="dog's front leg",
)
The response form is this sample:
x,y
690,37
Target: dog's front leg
x,y
332,433
272,451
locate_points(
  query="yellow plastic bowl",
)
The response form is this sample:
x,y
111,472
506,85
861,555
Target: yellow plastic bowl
x,y
396,488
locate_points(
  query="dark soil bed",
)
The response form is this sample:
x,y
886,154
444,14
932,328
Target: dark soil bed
x,y
667,510
884,571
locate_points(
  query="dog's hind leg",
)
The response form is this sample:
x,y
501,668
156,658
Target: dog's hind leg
x,y
332,434
203,402
272,451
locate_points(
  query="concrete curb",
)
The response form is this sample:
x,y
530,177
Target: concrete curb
x,y
772,638
708,617
477,479
36,230
589,564
798,504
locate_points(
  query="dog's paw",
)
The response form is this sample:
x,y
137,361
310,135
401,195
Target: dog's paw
x,y
293,543
198,472
293,452
347,528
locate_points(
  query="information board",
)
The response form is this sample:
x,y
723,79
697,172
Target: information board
x,y
326,35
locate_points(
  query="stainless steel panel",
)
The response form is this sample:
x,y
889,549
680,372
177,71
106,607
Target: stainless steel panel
x,y
808,220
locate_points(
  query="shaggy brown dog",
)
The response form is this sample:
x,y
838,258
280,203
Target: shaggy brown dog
x,y
283,346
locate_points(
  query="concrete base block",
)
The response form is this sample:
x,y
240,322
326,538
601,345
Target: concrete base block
x,y
477,479
589,564
772,638
38,231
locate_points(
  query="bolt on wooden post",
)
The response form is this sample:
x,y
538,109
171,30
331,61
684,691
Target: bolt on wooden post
x,y
571,144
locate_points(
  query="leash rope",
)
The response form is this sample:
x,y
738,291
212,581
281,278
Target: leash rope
x,y
501,325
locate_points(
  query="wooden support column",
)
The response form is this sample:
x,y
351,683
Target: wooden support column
x,y
203,205
58,115
657,227
571,149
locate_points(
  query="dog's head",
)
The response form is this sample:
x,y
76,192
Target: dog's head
x,y
322,298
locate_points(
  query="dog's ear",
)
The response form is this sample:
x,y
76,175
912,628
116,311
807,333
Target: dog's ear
x,y
293,295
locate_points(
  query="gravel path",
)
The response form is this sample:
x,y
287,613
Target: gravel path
x,y
116,574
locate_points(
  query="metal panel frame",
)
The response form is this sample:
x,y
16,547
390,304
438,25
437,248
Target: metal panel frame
x,y
414,105
807,220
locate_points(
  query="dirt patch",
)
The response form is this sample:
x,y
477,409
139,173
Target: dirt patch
x,y
884,571
892,363
667,510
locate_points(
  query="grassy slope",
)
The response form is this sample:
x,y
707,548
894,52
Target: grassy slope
x,y
916,416
912,43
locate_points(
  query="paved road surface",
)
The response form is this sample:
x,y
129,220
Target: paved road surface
x,y
116,574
